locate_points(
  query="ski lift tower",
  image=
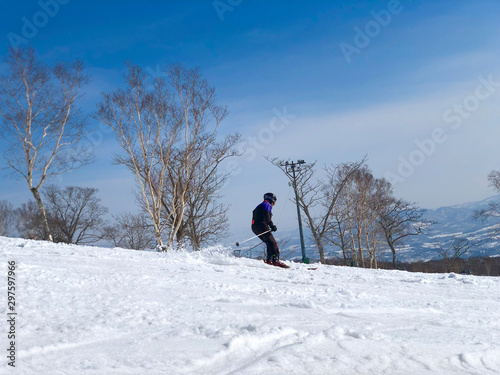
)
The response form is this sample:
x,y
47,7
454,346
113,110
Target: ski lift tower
x,y
292,170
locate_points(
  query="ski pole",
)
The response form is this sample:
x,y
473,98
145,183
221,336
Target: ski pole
x,y
251,238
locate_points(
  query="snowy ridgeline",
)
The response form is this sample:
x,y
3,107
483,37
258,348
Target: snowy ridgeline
x,y
87,310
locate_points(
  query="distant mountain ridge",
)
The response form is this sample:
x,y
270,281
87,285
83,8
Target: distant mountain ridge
x,y
452,222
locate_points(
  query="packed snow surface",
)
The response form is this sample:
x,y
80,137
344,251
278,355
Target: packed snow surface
x,y
88,310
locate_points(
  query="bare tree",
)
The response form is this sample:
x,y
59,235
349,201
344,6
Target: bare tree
x,y
40,120
494,178
75,214
493,209
400,219
30,223
7,218
454,251
130,232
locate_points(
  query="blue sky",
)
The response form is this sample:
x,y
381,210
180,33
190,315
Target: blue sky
x,y
281,69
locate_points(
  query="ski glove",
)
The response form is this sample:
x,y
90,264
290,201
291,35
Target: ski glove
x,y
273,228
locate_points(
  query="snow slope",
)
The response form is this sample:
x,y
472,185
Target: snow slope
x,y
86,310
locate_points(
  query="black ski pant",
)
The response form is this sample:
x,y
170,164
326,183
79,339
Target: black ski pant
x,y
273,252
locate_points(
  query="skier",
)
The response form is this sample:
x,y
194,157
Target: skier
x,y
262,225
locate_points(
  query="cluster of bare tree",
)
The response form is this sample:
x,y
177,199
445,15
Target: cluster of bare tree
x,y
353,211
73,215
130,232
167,129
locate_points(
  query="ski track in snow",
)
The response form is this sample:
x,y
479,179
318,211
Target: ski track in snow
x,y
88,310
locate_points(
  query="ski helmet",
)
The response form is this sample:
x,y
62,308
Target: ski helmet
x,y
270,197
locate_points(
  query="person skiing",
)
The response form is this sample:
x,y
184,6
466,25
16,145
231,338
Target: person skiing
x,y
262,225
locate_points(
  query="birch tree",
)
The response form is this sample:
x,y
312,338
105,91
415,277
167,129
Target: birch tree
x,y
41,122
361,223
146,126
193,179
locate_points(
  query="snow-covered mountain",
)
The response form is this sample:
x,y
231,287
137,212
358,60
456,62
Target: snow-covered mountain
x,y
452,222
90,310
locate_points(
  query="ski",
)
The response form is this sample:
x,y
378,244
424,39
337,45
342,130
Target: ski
x,y
283,265
276,264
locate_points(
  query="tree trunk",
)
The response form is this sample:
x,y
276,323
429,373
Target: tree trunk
x,y
321,248
368,247
360,247
393,254
38,200
159,240
344,247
